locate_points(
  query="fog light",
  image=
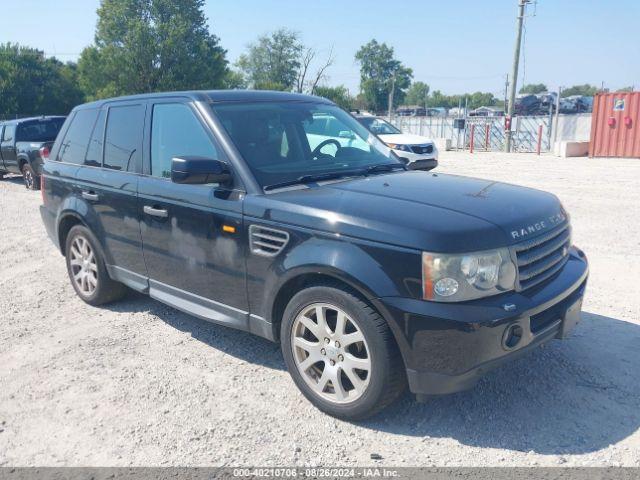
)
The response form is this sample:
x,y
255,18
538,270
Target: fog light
x,y
445,287
512,336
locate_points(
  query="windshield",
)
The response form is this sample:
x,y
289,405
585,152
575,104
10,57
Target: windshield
x,y
285,142
44,130
378,126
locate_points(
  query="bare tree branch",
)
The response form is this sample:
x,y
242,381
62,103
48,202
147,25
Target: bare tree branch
x,y
320,74
305,61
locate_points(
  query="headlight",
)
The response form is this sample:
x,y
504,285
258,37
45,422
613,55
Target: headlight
x,y
395,146
460,277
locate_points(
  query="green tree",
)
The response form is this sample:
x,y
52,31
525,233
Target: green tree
x,y
533,88
438,99
235,80
151,45
273,61
480,99
379,73
417,94
338,95
472,100
31,84
586,90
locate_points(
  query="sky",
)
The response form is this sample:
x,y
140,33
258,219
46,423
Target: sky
x,y
454,46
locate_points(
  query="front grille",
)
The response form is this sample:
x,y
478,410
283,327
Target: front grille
x,y
422,149
542,257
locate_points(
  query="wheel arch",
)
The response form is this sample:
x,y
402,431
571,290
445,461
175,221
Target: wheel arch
x,y
298,280
22,161
66,222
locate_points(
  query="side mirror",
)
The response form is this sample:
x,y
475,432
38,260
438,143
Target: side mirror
x,y
199,170
346,134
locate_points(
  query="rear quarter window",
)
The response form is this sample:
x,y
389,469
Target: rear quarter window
x,y
74,145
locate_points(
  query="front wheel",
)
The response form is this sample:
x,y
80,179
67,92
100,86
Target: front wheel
x,y
87,270
341,353
31,180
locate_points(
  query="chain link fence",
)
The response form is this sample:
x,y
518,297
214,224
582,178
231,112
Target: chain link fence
x,y
488,132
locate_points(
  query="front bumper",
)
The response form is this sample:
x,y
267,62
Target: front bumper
x,y
448,347
415,161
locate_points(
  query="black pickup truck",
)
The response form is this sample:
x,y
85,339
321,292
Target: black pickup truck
x,y
24,144
238,208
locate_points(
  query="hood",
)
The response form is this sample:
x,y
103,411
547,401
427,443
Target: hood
x,y
404,139
414,209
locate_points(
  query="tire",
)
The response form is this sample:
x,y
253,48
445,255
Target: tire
x,y
310,364
31,180
84,259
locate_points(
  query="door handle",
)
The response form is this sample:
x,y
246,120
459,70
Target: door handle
x,y
156,212
93,196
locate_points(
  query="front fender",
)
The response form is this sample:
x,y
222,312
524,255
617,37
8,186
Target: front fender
x,y
374,270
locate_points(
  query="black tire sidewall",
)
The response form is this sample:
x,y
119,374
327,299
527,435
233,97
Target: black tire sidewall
x,y
367,403
103,278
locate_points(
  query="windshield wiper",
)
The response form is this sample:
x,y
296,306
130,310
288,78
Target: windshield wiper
x,y
384,167
317,177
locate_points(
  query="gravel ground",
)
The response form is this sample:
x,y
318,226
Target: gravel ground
x,y
139,383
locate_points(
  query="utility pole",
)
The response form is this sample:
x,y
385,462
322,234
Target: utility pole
x,y
506,93
514,72
391,93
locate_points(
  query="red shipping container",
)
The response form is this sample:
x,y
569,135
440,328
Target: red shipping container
x,y
615,125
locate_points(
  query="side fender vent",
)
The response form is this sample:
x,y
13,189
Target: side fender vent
x,y
267,242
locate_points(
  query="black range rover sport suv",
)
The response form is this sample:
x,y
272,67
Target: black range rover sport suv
x,y
235,207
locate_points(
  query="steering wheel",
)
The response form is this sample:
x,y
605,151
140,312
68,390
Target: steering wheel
x,y
318,154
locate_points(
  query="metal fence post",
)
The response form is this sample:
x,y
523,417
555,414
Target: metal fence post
x,y
539,139
473,129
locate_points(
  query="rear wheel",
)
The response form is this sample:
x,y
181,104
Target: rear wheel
x,y
87,271
341,353
31,180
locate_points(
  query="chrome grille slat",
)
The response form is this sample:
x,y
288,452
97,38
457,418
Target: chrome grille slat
x,y
534,242
542,257
548,248
532,271
544,276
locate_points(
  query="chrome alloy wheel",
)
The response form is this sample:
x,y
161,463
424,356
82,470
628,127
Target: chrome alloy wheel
x,y
84,268
29,179
331,353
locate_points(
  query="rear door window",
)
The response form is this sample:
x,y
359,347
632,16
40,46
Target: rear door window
x,y
123,141
74,145
94,152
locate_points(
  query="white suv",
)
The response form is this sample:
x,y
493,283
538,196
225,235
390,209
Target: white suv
x,y
420,153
